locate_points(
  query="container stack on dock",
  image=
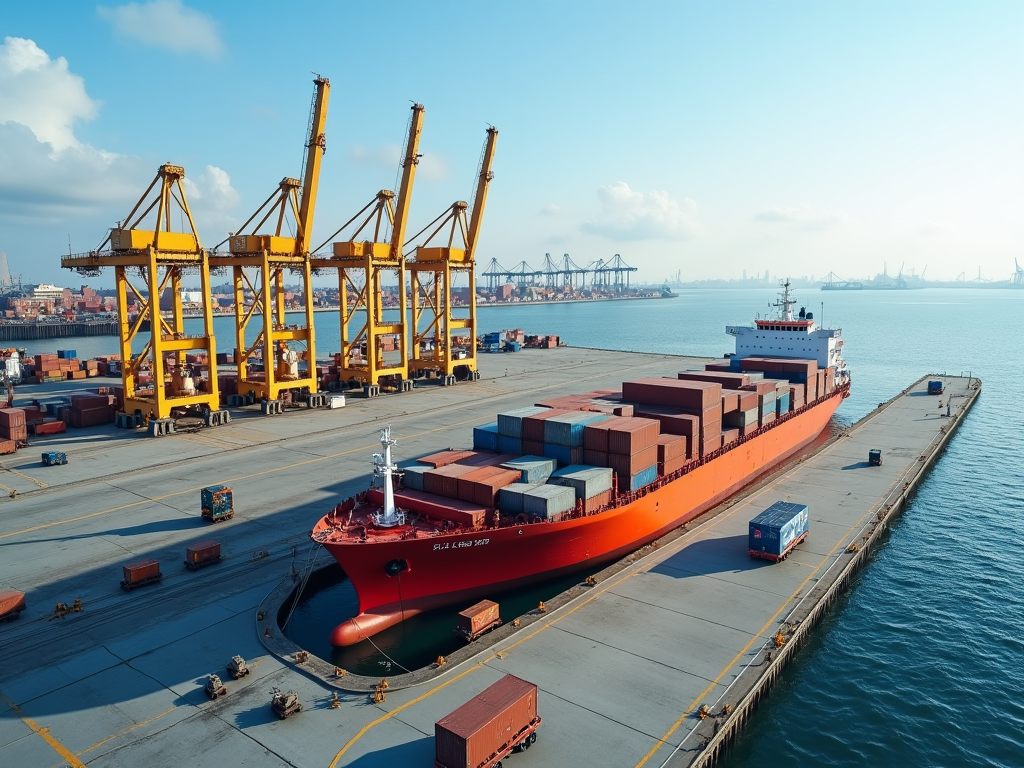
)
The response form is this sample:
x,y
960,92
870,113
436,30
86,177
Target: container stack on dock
x,y
13,429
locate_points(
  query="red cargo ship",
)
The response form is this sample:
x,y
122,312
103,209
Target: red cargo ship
x,y
405,554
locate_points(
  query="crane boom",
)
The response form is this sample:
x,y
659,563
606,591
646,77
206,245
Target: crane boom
x,y
480,196
316,145
409,163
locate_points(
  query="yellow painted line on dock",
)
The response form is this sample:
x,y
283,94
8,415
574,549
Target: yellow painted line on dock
x,y
117,735
396,710
31,479
9,490
44,733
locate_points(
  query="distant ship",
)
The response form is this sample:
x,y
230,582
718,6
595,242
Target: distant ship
x,y
409,551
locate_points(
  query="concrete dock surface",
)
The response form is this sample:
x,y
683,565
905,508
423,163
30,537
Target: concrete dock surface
x,y
623,668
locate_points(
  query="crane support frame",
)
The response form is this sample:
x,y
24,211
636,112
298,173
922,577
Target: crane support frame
x,y
363,265
443,343
267,257
159,257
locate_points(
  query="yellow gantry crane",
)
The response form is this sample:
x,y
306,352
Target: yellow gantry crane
x,y
441,343
362,266
260,292
158,257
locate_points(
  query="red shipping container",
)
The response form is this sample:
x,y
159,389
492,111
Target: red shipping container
x,y
684,394
50,428
730,401
485,725
12,417
727,380
711,444
444,457
84,401
464,512
482,484
797,392
595,458
672,420
594,503
444,481
719,367
673,465
747,399
627,466
533,426
487,459
730,436
671,447
629,436
533,448
202,552
14,433
477,618
763,387
143,569
8,446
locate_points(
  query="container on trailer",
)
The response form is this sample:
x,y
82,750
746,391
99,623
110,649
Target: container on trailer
x,y
534,469
202,553
217,503
547,501
774,532
477,619
140,573
12,603
487,727
935,387
586,481
874,457
485,437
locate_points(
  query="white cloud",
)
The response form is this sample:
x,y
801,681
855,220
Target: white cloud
x,y
212,200
551,209
389,156
801,217
627,215
166,24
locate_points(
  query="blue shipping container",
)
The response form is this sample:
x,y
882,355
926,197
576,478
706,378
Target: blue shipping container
x,y
568,428
643,478
774,532
509,444
782,404
563,454
587,481
510,423
485,438
412,477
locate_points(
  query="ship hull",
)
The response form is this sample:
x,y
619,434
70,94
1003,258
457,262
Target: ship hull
x,y
445,569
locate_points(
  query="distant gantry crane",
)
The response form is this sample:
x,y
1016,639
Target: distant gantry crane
x,y
613,273
362,266
444,343
158,257
259,261
1017,279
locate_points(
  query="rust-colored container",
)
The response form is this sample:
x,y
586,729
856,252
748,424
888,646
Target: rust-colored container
x,y
12,603
477,619
730,436
671,447
711,444
50,428
673,420
726,379
730,401
444,480
533,426
201,553
632,435
747,399
595,458
8,446
485,728
444,458
533,447
763,387
635,463
12,417
594,503
14,433
141,572
668,467
595,436
683,394
482,485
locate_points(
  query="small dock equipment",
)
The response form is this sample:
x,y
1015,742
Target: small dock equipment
x,y
874,458
285,704
477,619
218,503
141,573
214,687
52,458
775,532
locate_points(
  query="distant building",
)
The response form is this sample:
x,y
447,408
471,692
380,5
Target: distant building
x,y
47,292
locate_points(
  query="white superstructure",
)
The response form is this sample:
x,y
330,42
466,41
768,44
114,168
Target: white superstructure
x,y
384,470
786,336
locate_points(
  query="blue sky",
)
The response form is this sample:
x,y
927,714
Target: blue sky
x,y
708,138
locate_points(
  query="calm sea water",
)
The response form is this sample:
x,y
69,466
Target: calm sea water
x,y
922,663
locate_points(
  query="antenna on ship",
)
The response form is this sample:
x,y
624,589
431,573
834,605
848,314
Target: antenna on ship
x,y
785,304
389,516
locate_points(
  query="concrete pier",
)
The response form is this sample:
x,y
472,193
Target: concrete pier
x,y
623,667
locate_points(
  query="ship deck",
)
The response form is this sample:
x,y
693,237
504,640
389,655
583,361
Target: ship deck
x,y
622,667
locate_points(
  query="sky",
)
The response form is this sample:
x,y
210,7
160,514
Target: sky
x,y
698,138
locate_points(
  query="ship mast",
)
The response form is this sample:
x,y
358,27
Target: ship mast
x,y
785,304
389,516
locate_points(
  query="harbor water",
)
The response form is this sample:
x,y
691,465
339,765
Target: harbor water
x,y
922,662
